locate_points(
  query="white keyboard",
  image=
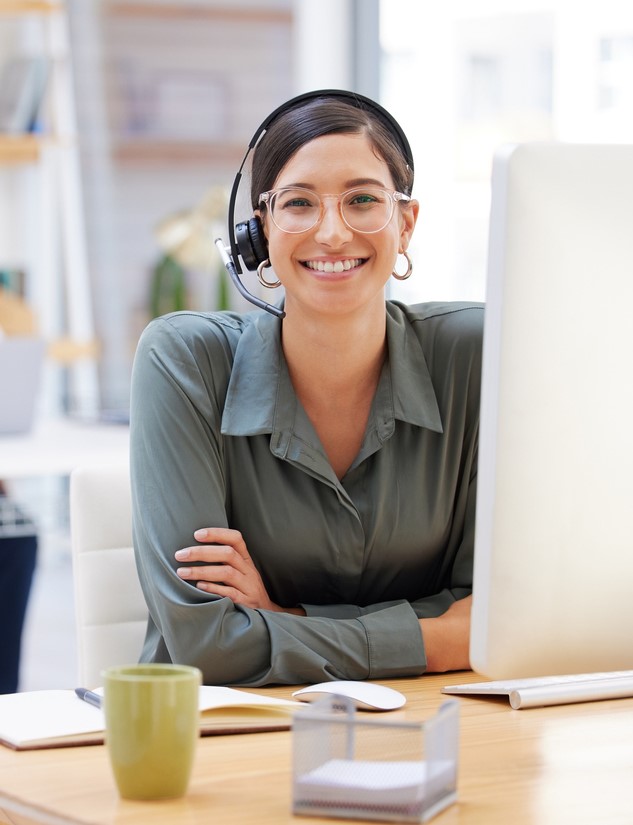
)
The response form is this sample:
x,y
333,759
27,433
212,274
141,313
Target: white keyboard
x,y
553,690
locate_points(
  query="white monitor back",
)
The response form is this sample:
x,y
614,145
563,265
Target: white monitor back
x,y
553,576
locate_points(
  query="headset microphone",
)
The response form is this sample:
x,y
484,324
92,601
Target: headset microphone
x,y
230,268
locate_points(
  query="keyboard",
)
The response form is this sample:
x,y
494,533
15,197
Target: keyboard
x,y
541,691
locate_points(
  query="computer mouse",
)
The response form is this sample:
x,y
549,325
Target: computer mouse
x,y
365,695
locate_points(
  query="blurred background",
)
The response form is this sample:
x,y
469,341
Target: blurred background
x,y
122,125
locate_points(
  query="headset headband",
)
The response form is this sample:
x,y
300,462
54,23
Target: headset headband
x,y
354,99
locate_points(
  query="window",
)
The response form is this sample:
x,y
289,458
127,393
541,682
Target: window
x,y
465,76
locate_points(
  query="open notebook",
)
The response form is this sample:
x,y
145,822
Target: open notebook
x,y
58,718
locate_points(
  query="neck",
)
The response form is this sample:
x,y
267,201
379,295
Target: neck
x,y
345,352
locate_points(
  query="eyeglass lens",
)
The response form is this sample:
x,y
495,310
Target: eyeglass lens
x,y
365,209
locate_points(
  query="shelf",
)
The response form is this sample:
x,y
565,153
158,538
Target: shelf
x,y
160,151
51,245
14,7
19,149
124,8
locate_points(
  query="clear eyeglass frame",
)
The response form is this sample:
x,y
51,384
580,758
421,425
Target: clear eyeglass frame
x,y
392,197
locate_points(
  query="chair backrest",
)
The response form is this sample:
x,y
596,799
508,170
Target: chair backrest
x,y
110,611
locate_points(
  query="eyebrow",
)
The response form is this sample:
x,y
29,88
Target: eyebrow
x,y
350,184
365,181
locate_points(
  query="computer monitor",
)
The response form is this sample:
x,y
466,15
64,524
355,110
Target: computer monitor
x,y
553,571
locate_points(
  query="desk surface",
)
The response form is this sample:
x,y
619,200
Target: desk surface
x,y
551,766
56,447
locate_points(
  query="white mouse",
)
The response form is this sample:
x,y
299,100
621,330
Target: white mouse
x,y
365,695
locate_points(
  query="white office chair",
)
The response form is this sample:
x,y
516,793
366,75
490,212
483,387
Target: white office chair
x,y
110,611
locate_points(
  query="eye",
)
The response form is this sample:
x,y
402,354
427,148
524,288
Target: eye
x,y
293,199
296,202
364,198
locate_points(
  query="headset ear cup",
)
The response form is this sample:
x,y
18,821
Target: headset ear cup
x,y
258,239
251,243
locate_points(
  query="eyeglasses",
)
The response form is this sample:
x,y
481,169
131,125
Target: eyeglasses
x,y
363,209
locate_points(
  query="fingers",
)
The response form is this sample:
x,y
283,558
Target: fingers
x,y
224,546
223,535
223,567
224,574
214,554
223,579
223,562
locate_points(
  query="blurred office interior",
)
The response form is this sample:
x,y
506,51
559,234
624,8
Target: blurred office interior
x,y
111,197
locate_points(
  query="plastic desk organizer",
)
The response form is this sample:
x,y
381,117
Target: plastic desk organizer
x,y
353,766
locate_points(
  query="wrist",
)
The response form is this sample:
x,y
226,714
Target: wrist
x,y
446,640
431,639
296,611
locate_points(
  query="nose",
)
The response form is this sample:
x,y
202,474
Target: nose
x,y
332,229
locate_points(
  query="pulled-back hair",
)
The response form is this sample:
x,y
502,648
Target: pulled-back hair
x,y
323,116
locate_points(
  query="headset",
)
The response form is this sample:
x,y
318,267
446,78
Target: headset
x,y
246,239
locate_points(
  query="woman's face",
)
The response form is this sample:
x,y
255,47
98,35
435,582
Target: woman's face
x,y
332,164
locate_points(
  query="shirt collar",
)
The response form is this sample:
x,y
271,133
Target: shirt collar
x,y
251,397
414,399
260,398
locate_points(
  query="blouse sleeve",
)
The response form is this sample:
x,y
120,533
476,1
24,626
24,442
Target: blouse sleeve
x,y
178,484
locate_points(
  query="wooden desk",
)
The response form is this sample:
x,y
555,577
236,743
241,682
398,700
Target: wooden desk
x,y
551,766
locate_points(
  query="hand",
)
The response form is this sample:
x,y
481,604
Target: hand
x,y
228,569
447,638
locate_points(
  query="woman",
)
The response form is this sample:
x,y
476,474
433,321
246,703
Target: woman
x,y
304,489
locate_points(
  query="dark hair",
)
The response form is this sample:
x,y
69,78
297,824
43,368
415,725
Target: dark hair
x,y
323,116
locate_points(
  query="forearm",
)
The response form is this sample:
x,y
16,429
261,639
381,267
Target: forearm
x,y
447,638
426,607
445,628
233,645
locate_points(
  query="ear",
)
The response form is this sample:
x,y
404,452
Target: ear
x,y
257,213
408,220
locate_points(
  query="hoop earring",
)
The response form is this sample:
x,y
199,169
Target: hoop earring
x,y
407,274
262,280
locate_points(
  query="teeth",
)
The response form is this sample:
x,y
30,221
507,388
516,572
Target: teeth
x,y
337,266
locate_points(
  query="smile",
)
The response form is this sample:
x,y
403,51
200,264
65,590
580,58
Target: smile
x,y
334,266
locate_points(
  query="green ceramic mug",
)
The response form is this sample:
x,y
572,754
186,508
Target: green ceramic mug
x,y
152,727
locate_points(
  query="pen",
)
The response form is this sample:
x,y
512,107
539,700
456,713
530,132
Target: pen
x,y
89,696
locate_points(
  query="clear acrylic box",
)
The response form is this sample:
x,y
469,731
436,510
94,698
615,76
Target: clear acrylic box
x,y
363,766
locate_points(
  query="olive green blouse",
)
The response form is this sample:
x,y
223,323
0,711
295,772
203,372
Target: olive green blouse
x,y
219,438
